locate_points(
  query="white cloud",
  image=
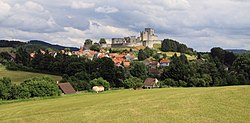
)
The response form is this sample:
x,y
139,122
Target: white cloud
x,y
106,9
200,24
4,9
81,5
30,16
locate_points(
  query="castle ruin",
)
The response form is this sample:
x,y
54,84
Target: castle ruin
x,y
147,38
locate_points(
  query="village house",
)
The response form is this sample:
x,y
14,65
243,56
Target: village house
x,y
66,88
164,63
151,83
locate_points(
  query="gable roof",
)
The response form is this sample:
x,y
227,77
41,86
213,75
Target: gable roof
x,y
66,88
149,82
164,61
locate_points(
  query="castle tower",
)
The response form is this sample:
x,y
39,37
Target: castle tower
x,y
148,37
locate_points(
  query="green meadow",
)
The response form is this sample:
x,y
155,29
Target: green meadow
x,y
174,105
19,76
6,49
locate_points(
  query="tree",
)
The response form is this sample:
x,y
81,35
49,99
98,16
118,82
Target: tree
x,y
133,82
95,47
100,82
5,85
242,66
219,53
229,58
5,55
102,41
138,69
169,45
142,55
103,67
149,52
74,68
179,69
182,48
22,56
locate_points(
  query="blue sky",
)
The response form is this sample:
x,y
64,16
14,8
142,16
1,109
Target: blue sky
x,y
201,24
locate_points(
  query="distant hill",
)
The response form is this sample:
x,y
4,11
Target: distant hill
x,y
52,45
14,44
238,51
6,43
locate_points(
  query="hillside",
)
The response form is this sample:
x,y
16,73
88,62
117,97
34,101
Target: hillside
x,y
20,76
58,47
238,51
194,105
6,43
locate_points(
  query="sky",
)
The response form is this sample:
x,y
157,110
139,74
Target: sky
x,y
200,24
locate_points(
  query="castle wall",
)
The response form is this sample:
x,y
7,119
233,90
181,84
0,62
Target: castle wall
x,y
147,38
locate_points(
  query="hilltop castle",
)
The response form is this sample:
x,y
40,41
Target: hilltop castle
x,y
147,38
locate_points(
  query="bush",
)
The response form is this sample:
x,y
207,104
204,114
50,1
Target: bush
x,y
41,87
133,82
168,82
81,85
100,82
198,82
19,92
5,85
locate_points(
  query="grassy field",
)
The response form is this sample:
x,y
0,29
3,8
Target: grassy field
x,y
19,76
6,49
178,105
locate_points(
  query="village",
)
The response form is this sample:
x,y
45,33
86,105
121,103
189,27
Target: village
x,y
121,59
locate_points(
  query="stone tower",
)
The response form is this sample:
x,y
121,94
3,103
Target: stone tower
x,y
148,37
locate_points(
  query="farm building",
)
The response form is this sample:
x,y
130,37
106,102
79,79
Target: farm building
x,y
151,83
66,88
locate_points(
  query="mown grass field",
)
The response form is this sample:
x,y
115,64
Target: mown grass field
x,y
174,105
19,76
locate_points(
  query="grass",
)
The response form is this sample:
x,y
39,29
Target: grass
x,y
19,76
181,105
170,54
137,48
6,49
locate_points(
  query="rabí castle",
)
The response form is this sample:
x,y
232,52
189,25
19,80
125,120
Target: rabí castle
x,y
147,38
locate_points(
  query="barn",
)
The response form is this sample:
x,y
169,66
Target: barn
x,y
151,83
66,88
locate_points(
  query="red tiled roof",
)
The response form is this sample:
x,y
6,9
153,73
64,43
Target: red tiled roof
x,y
164,61
101,55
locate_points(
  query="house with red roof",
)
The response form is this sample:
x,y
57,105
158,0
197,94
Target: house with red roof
x,y
164,62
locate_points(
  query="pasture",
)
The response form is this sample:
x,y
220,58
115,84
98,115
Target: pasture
x,y
178,105
19,76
